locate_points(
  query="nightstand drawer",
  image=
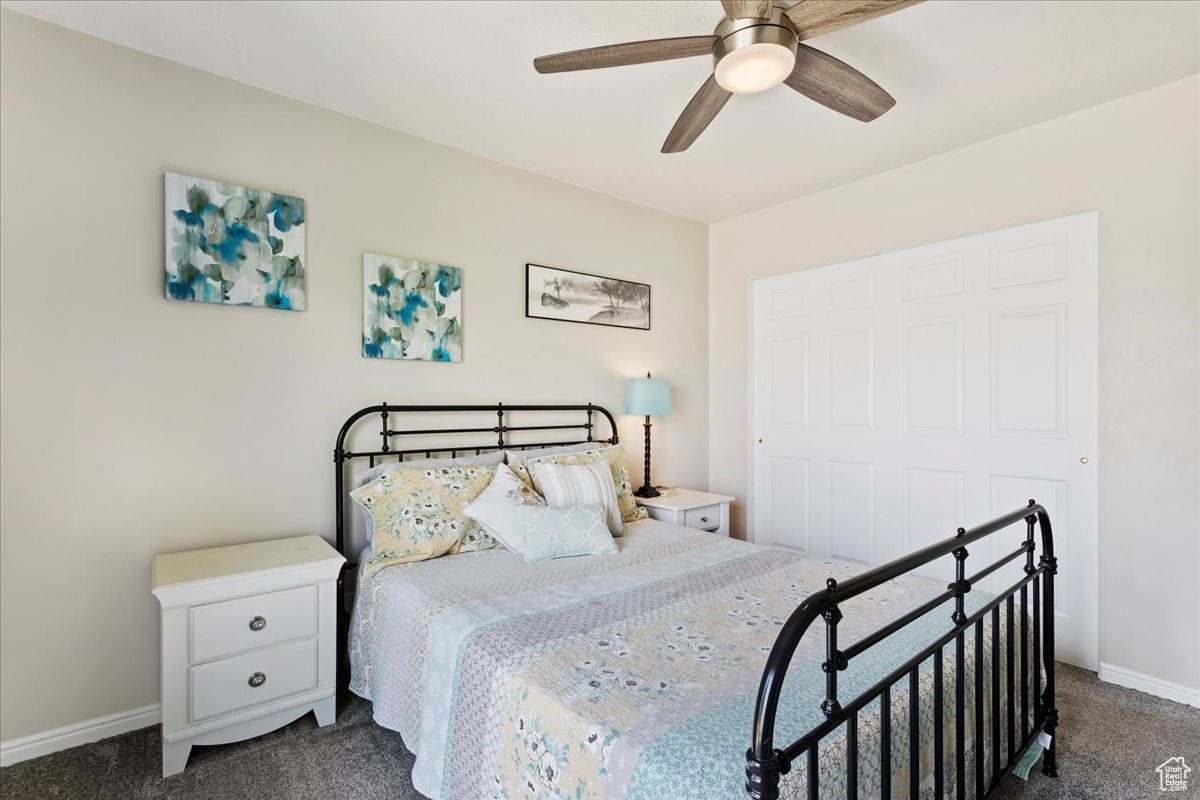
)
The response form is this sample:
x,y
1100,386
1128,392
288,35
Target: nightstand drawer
x,y
247,680
706,517
235,626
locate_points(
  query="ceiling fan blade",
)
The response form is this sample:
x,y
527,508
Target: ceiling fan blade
x,y
619,55
818,17
740,9
836,85
700,111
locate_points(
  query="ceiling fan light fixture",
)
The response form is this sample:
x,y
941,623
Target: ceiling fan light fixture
x,y
755,67
753,55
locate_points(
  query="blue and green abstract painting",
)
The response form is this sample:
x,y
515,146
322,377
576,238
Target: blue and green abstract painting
x,y
233,245
411,309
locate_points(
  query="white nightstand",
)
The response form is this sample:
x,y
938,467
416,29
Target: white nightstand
x,y
687,507
249,641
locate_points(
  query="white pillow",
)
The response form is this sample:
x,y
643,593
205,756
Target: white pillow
x,y
578,485
496,506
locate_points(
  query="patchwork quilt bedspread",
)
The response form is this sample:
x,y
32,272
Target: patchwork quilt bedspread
x,y
630,675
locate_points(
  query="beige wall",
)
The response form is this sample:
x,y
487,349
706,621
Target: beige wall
x,y
1137,161
133,425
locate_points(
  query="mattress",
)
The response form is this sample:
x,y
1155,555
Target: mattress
x,y
631,675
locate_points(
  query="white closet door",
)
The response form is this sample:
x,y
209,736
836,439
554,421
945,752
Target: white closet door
x,y
901,396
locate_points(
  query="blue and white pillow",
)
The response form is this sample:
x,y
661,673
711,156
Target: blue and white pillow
x,y
562,531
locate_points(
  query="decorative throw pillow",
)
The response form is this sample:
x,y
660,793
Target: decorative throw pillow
x,y
613,454
495,508
494,459
580,484
557,450
557,532
418,513
630,510
368,475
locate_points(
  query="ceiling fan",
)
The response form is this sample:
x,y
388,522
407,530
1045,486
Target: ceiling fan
x,y
755,47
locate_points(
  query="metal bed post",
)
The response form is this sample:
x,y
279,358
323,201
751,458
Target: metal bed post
x,y
1049,567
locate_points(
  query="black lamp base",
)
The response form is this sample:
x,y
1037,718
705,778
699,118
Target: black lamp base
x,y
647,489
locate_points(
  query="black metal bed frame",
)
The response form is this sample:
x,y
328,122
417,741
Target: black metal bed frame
x,y
342,456
765,763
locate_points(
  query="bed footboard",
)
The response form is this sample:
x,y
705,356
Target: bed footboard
x,y
765,762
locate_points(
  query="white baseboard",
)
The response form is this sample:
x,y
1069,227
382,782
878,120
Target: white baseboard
x,y
1149,684
90,730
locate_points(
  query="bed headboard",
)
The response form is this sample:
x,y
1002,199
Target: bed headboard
x,y
400,442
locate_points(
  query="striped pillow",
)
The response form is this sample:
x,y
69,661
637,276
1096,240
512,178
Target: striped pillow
x,y
581,484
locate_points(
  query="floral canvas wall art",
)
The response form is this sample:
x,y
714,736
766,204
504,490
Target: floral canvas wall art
x,y
411,309
233,245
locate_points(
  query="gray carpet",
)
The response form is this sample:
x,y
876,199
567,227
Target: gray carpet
x,y
1111,739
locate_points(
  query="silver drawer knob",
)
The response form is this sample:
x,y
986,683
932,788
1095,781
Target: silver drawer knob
x,y
258,623
257,680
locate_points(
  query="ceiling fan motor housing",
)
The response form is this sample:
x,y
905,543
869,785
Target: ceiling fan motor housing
x,y
771,40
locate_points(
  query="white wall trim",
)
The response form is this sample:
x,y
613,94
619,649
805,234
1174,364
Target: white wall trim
x,y
90,730
1149,684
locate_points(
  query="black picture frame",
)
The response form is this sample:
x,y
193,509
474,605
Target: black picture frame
x,y
530,308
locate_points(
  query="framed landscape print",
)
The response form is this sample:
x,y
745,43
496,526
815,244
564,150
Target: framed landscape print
x,y
561,294
411,309
233,245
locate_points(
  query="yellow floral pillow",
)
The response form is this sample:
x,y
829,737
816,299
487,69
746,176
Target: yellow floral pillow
x,y
614,454
418,513
630,510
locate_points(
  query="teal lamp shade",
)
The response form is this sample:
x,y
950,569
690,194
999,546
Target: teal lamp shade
x,y
648,397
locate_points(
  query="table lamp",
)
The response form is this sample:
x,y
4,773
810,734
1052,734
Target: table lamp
x,y
648,397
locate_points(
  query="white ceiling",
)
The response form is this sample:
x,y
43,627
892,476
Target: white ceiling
x,y
460,73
